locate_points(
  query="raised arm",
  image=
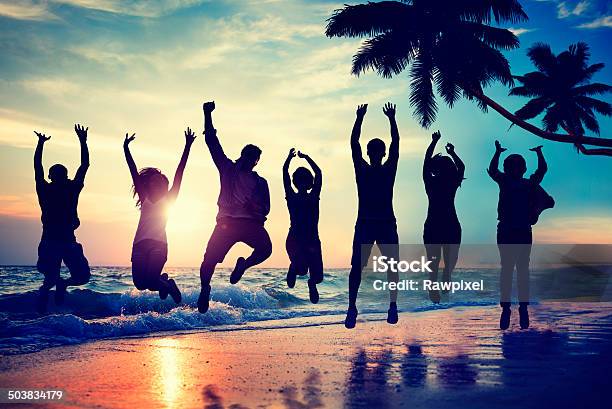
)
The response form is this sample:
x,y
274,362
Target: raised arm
x,y
82,170
494,165
389,111
450,149
130,161
286,178
178,175
356,133
318,175
435,137
538,175
210,137
39,172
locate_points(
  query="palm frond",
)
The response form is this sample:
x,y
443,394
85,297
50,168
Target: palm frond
x,y
495,37
484,11
388,53
422,98
592,89
601,107
553,118
533,108
542,57
368,19
588,119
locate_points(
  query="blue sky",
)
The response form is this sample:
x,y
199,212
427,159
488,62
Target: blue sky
x,y
146,67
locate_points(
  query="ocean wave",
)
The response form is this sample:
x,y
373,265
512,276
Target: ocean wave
x,y
87,303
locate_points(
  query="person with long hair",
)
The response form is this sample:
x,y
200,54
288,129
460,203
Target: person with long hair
x,y
442,176
153,198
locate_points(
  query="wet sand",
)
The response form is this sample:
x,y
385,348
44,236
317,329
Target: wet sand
x,y
446,358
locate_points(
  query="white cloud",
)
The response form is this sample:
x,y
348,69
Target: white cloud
x,y
603,21
44,10
25,10
564,10
519,31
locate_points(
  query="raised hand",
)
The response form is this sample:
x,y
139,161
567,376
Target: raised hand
x,y
498,147
536,149
302,154
128,139
81,132
361,110
450,148
291,153
189,136
209,106
389,110
436,136
41,137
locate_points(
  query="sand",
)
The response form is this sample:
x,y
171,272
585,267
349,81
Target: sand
x,y
438,359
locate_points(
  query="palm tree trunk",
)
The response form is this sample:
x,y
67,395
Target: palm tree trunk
x,y
579,141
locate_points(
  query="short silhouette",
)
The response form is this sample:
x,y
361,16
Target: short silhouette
x,y
244,203
375,217
521,201
442,176
150,248
303,244
58,201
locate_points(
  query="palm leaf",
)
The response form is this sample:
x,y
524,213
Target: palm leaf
x,y
542,57
421,90
368,19
388,53
592,89
533,108
598,106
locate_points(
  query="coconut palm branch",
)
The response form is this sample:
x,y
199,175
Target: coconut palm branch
x,y
451,49
561,90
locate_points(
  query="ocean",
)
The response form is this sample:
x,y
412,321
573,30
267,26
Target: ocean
x,y
110,306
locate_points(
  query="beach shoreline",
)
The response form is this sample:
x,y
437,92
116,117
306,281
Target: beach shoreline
x,y
430,359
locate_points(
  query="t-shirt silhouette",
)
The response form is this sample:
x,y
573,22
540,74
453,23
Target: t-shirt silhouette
x,y
304,214
58,203
375,190
515,197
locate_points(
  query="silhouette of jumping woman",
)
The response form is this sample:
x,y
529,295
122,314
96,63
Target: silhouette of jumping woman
x,y
442,176
244,203
303,244
375,217
150,248
521,201
58,201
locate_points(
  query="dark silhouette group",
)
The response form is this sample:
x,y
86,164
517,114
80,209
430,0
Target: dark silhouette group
x,y
244,204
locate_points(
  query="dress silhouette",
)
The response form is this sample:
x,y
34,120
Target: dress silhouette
x,y
150,248
375,217
244,203
303,244
520,202
442,176
58,201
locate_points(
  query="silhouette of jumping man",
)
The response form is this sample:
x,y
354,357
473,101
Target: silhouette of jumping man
x,y
520,202
58,201
375,217
442,176
244,203
303,244
150,248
